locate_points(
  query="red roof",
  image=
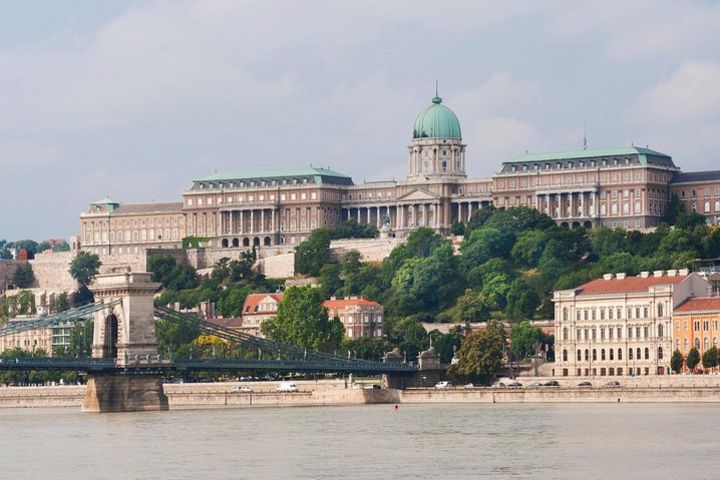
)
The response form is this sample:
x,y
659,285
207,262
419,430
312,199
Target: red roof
x,y
349,302
254,299
703,304
601,286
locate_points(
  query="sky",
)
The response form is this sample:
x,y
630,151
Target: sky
x,y
135,99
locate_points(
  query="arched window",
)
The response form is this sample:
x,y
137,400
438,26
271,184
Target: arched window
x,y
565,314
579,355
660,331
706,344
565,333
647,353
630,353
697,343
602,354
717,206
444,166
594,355
619,353
638,354
587,354
660,353
707,207
565,356
611,352
660,309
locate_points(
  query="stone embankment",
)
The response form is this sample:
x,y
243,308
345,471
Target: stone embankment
x,y
676,389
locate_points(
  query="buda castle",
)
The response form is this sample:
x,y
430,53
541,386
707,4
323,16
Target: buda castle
x,y
627,187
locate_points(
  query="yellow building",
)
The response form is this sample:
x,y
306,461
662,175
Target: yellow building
x,y
695,324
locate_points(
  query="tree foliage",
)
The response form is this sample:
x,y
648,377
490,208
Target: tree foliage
x,y
693,359
302,320
23,276
480,356
676,361
84,267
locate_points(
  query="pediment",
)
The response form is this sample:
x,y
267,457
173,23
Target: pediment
x,y
419,195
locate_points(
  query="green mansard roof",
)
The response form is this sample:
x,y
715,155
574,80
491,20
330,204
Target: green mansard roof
x,y
320,175
590,153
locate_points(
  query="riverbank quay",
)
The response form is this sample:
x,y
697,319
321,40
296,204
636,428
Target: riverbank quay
x,y
672,389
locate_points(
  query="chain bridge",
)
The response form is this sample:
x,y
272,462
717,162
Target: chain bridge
x,y
125,370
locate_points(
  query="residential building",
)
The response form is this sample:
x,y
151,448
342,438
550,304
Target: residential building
x,y
699,192
619,324
257,308
360,317
695,324
49,339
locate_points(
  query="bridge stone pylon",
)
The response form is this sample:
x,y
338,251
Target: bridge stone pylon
x,y
126,334
128,330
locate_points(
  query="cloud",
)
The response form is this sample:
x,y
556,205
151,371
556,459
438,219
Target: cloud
x,y
691,95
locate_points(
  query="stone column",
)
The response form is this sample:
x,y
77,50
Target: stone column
x,y
571,205
252,221
262,220
272,220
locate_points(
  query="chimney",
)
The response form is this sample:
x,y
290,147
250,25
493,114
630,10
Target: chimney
x,y
683,271
608,276
621,276
672,273
644,274
657,273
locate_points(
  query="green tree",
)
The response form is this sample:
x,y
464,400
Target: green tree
x,y
313,253
176,335
674,209
523,340
60,303
676,361
84,267
330,281
365,348
302,320
23,276
710,358
471,307
693,359
480,356
457,228
522,301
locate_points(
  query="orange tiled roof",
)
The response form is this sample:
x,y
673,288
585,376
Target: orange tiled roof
x,y
601,286
701,304
232,322
254,299
342,303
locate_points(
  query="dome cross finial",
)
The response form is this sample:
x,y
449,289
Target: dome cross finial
x,y
436,99
436,88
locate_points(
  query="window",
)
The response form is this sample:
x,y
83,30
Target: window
x,y
660,309
647,353
594,353
630,353
564,356
660,331
611,353
565,333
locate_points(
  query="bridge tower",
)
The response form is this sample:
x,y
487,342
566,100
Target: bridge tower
x,y
126,334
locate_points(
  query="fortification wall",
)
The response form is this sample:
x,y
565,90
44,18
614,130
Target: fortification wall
x,y
52,271
371,249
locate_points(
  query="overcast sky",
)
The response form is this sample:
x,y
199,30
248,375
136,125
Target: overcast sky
x,y
136,99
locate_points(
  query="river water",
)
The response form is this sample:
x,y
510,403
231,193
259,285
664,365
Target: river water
x,y
573,441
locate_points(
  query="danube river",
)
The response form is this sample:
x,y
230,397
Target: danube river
x,y
572,441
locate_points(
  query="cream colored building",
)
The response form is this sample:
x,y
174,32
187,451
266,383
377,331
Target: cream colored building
x,y
621,325
112,228
360,317
48,339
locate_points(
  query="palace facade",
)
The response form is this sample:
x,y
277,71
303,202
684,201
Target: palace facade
x,y
627,187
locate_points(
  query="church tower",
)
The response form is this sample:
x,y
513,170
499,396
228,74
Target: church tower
x,y
436,149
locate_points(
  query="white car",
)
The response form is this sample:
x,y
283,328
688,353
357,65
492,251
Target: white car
x,y
287,387
243,389
442,385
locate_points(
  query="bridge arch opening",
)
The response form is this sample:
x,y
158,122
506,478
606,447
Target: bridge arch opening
x,y
266,241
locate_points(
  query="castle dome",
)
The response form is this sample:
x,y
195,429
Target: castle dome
x,y
437,121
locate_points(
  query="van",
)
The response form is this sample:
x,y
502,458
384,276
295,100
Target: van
x,y
286,387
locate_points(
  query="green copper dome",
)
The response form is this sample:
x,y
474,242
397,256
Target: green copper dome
x,y
437,120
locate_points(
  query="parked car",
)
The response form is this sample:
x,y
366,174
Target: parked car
x,y
442,385
498,385
551,383
514,385
372,386
243,389
287,387
584,384
612,384
470,385
536,385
